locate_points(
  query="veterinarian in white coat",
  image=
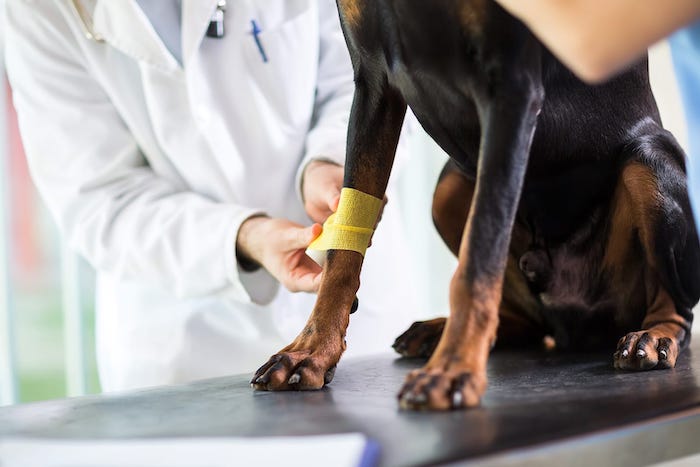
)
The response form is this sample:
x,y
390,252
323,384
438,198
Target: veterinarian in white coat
x,y
150,160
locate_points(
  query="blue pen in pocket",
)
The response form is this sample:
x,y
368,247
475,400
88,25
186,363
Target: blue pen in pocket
x,y
256,37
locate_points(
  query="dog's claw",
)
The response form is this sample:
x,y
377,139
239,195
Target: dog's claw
x,y
294,379
663,355
625,353
457,399
330,374
641,353
414,399
423,348
420,399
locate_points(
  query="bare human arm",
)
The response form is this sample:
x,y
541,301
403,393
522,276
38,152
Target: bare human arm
x,y
596,38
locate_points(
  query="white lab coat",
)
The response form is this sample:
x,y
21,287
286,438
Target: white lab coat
x,y
150,167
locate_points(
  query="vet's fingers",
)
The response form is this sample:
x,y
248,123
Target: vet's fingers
x,y
328,206
334,202
301,237
385,201
321,187
309,282
303,274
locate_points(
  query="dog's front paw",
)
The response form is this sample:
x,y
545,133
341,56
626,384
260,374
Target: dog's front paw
x,y
432,389
295,370
646,350
420,340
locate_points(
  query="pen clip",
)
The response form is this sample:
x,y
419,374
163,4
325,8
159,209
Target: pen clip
x,y
256,37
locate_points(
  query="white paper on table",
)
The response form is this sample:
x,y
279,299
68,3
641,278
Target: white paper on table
x,y
342,450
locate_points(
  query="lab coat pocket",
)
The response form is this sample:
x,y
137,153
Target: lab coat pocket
x,y
283,61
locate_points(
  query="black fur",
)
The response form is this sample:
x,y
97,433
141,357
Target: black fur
x,y
544,149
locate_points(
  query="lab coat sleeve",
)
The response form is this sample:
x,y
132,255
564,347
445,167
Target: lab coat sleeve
x,y
334,93
109,204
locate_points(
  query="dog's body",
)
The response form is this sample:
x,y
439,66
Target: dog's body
x,y
566,204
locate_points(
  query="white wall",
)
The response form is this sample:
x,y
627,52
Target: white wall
x,y
663,83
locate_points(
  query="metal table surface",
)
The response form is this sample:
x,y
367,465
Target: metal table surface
x,y
572,408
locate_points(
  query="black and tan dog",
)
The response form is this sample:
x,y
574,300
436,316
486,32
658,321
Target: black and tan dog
x,y
565,203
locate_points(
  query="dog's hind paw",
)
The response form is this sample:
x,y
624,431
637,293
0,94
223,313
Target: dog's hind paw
x,y
646,350
430,389
420,340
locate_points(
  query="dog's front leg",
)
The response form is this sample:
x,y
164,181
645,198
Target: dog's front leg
x,y
455,375
309,361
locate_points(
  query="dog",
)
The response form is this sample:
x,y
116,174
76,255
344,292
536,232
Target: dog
x,y
565,203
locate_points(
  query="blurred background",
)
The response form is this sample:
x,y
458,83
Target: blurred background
x,y
46,293
39,284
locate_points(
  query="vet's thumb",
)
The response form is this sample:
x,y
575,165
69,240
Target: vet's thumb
x,y
307,235
335,201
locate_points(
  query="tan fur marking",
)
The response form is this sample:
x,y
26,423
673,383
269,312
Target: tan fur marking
x,y
351,11
662,315
643,190
451,202
635,206
471,329
472,14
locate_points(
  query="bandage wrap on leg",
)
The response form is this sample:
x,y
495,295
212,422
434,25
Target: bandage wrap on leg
x,y
351,227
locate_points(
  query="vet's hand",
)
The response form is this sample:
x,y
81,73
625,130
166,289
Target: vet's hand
x,y
279,246
321,185
320,189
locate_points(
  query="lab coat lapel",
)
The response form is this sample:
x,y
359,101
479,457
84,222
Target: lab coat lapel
x,y
126,27
196,15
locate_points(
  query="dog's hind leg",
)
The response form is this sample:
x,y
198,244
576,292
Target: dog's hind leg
x,y
651,210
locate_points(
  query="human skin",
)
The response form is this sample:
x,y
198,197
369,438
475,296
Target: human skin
x,y
279,245
597,38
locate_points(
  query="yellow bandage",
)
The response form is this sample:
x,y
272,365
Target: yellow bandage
x,y
352,225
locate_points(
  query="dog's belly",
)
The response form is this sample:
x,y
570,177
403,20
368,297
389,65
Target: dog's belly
x,y
581,301
580,305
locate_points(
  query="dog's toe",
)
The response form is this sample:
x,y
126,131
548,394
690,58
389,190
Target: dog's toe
x,y
420,340
645,350
292,371
274,374
440,390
